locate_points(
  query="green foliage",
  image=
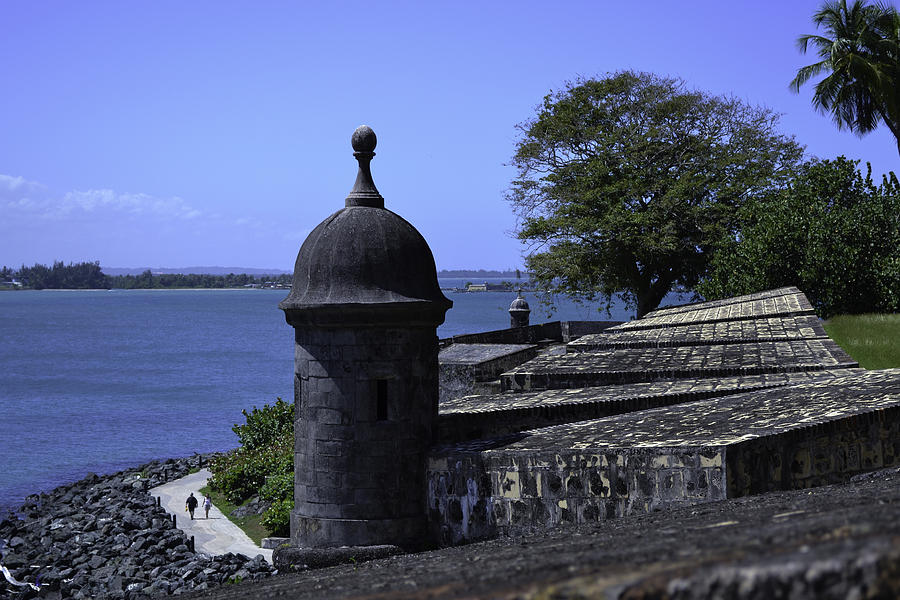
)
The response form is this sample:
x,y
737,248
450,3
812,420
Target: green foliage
x,y
88,275
872,340
241,473
278,518
267,440
860,52
265,425
147,280
74,276
625,184
832,233
278,486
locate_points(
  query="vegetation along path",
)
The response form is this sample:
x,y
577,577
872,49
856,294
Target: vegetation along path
x,y
214,536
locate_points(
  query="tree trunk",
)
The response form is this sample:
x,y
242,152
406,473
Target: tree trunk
x,y
648,299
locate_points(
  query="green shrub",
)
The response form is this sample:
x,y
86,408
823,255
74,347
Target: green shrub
x,y
265,425
266,451
278,487
242,473
278,518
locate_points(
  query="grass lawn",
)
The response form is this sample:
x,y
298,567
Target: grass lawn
x,y
872,340
250,524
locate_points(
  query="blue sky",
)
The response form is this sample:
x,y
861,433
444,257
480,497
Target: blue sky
x,y
217,133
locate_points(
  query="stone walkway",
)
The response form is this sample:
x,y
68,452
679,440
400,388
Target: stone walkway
x,y
213,536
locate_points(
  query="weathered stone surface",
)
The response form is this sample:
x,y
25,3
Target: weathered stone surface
x,y
770,329
291,559
617,366
784,302
463,366
690,307
475,417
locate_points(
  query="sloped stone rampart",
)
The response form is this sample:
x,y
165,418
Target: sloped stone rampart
x,y
791,303
668,310
840,541
476,417
769,329
628,365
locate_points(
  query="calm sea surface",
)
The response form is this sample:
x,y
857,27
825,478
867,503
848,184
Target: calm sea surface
x,y
103,380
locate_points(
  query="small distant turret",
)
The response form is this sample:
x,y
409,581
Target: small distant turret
x,y
519,311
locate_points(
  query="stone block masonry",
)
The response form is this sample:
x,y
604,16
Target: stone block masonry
x,y
807,434
360,434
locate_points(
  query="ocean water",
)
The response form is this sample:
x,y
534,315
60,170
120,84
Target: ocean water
x,y
103,380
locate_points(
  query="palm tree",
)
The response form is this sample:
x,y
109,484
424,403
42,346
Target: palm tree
x,y
862,57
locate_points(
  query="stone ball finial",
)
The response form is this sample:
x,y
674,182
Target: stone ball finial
x,y
363,139
364,192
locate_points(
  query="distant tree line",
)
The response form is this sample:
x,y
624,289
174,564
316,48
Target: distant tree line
x,y
89,275
481,273
147,280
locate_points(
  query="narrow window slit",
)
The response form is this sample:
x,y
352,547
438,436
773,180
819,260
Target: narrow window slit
x,y
381,400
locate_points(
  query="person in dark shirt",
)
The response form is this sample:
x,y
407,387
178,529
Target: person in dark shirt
x,y
191,505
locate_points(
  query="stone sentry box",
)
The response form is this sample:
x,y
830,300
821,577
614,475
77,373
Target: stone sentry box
x,y
365,305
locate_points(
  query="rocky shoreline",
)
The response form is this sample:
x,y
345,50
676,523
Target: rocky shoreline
x,y
105,537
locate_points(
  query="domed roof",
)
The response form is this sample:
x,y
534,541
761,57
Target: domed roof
x,y
365,256
519,303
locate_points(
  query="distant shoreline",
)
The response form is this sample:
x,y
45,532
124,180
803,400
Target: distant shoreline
x,y
169,289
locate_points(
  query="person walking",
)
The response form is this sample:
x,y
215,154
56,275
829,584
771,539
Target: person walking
x,y
191,505
207,504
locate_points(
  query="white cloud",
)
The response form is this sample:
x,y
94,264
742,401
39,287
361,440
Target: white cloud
x,y
32,200
124,228
19,192
93,201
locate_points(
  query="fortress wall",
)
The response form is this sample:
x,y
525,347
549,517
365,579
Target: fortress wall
x,y
474,496
817,455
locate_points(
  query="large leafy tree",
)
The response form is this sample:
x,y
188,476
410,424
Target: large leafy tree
x,y
625,184
861,55
831,232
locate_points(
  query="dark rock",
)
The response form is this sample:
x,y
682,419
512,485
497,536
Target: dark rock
x,y
96,562
13,560
255,506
